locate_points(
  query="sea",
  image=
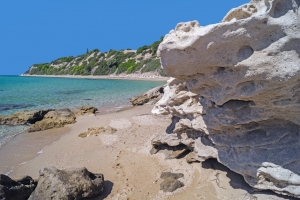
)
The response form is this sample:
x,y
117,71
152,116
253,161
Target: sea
x,y
18,93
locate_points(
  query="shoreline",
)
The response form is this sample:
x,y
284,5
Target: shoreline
x,y
130,171
112,77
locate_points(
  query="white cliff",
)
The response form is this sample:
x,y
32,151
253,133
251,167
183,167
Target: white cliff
x,y
236,92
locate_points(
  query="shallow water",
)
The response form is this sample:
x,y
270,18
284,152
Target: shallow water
x,y
18,93
8,132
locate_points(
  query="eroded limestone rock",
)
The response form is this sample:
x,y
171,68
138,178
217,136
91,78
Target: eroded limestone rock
x,y
46,119
24,117
54,119
98,130
67,184
236,92
84,110
151,96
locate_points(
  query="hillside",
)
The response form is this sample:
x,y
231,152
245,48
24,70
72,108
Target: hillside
x,y
94,62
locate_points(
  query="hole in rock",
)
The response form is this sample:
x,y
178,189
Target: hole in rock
x,y
171,152
237,104
221,69
244,53
282,7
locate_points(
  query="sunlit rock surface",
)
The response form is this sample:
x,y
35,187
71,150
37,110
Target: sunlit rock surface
x,y
236,92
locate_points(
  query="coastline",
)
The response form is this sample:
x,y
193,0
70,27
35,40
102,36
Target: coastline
x,y
130,171
139,77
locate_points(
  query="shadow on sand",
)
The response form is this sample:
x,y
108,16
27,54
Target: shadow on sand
x,y
108,186
237,181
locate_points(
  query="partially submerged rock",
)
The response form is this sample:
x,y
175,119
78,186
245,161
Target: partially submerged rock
x,y
67,184
98,130
46,119
170,183
235,96
24,117
151,96
54,119
16,189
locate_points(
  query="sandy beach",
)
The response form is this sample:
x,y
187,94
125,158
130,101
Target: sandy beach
x,y
145,76
123,157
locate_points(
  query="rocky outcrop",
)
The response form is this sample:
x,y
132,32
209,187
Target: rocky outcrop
x,y
16,189
24,117
46,119
151,96
67,184
98,130
236,93
54,119
85,110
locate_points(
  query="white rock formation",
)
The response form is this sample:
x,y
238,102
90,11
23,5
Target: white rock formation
x,y
236,96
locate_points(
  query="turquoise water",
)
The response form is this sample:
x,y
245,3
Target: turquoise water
x,y
19,93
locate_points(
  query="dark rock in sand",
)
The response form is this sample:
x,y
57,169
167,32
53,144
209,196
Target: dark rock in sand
x,y
54,119
85,110
16,189
170,183
24,117
67,184
152,96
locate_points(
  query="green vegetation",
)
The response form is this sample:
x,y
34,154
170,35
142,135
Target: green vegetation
x,y
111,52
129,65
103,63
152,66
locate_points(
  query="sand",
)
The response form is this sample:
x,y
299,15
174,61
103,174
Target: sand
x,y
129,170
149,76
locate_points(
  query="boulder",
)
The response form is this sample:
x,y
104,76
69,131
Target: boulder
x,y
98,130
67,184
235,95
151,96
16,189
85,110
54,119
24,117
170,182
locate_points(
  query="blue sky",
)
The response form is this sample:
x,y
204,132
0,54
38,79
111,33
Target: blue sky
x,y
36,31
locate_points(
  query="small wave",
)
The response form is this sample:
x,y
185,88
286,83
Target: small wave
x,y
8,132
9,172
40,152
23,163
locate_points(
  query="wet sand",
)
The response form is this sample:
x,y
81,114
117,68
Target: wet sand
x,y
129,170
27,146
